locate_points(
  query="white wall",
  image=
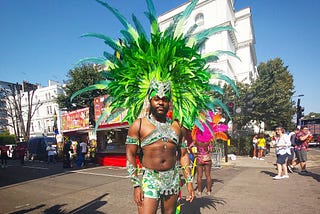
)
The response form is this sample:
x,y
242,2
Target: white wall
x,y
43,119
221,12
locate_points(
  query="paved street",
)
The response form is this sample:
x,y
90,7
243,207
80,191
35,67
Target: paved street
x,y
241,186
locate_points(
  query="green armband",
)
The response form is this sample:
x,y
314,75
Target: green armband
x,y
189,179
184,145
133,177
131,140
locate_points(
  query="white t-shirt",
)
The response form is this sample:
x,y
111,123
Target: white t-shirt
x,y
83,146
51,150
283,144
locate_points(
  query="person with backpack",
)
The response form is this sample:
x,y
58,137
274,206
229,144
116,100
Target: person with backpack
x,y
292,136
302,140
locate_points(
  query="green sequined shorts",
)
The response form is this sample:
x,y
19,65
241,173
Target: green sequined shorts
x,y
158,183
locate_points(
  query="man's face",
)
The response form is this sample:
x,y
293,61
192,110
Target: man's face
x,y
159,106
305,130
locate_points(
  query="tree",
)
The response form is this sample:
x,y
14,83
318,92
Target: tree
x,y
21,115
79,78
312,115
272,95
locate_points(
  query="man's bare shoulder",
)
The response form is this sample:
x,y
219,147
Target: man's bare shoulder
x,y
136,126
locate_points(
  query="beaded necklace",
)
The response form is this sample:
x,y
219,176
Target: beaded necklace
x,y
163,128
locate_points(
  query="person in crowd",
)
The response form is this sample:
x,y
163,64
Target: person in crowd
x,y
282,145
84,151
204,164
254,146
292,136
261,145
51,153
21,150
160,140
67,149
4,155
163,72
303,137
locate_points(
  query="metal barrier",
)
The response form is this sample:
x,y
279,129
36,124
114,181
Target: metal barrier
x,y
216,156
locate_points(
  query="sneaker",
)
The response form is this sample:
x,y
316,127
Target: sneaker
x,y
208,193
254,157
277,177
290,169
199,193
261,158
285,176
304,172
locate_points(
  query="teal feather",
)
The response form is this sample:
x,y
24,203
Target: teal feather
x,y
100,85
191,30
152,16
110,56
216,88
213,56
120,17
221,76
182,20
198,124
97,60
211,31
139,26
103,115
107,40
128,37
114,114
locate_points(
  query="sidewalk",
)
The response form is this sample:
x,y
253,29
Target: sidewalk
x,y
245,185
268,162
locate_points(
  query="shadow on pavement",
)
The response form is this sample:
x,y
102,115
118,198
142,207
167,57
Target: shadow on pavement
x,y
17,173
313,175
90,207
28,210
198,203
271,174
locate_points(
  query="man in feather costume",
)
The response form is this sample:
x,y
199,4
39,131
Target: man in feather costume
x,y
166,70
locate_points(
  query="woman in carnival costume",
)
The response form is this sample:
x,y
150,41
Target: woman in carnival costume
x,y
165,71
202,145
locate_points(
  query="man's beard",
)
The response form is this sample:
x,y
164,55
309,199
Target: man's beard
x,y
155,113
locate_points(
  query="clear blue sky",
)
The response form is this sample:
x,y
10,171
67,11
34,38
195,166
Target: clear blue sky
x,y
39,39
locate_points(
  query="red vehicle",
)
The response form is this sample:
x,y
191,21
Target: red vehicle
x,y
314,126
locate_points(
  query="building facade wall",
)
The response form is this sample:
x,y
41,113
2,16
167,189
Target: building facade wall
x,y
4,90
43,119
241,41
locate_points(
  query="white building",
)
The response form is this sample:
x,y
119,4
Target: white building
x,y
211,13
44,100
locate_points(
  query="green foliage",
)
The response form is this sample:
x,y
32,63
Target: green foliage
x,y
272,95
241,118
312,115
78,78
7,138
240,145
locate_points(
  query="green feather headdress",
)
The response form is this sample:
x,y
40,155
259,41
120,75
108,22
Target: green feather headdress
x,y
169,56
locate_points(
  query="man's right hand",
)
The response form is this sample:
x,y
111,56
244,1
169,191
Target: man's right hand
x,y
138,196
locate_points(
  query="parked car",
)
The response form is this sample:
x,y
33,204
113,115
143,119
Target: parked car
x,y
20,149
37,147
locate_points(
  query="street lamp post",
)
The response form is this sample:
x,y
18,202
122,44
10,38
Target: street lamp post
x,y
300,110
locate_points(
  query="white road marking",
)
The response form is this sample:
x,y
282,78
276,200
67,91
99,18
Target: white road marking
x,y
100,174
35,167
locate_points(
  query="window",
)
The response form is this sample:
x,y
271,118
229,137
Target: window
x,y
199,20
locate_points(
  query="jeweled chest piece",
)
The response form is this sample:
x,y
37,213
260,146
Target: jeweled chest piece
x,y
163,129
165,141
